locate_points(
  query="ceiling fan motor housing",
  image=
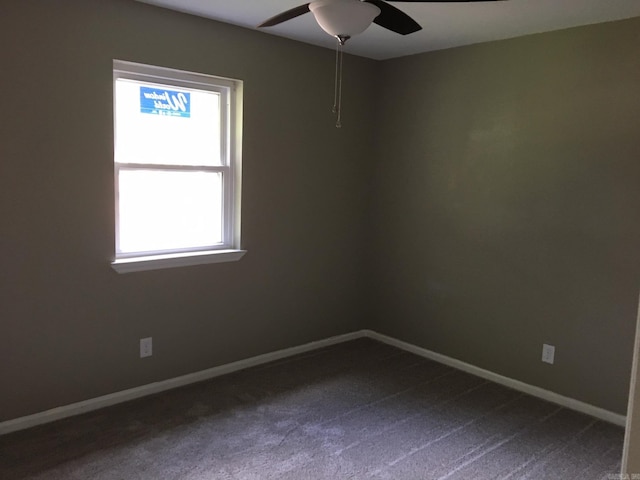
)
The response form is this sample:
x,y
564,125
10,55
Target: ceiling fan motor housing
x,y
343,18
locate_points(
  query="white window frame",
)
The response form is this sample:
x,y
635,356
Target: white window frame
x,y
231,131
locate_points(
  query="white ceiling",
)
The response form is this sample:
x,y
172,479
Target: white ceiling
x,y
444,25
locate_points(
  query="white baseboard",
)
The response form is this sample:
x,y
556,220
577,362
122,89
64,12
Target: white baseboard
x,y
541,393
65,411
59,413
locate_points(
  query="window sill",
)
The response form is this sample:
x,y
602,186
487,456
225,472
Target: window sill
x,y
157,262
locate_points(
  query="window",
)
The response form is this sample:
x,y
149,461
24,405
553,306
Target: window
x,y
177,168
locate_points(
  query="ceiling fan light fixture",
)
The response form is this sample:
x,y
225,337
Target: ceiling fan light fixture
x,y
344,18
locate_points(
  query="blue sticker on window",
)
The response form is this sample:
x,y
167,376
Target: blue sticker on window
x,y
158,101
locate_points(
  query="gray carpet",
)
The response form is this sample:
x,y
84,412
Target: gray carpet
x,y
352,411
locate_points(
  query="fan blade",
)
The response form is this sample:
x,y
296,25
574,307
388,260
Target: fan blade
x,y
393,19
284,16
444,1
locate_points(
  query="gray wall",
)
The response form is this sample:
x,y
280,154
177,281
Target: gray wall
x,y
507,202
69,324
484,203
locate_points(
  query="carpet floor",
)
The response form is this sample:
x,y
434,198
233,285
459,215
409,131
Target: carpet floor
x,y
357,410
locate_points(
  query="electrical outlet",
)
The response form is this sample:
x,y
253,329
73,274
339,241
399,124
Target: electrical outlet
x,y
548,353
146,347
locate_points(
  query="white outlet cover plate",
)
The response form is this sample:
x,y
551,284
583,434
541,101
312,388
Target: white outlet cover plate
x,y
548,353
146,347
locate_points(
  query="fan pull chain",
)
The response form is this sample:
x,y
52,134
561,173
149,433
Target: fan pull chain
x,y
337,96
335,82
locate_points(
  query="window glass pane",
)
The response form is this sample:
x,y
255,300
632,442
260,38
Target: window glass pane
x,y
166,125
169,210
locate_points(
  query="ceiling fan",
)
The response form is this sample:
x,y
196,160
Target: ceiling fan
x,y
343,19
